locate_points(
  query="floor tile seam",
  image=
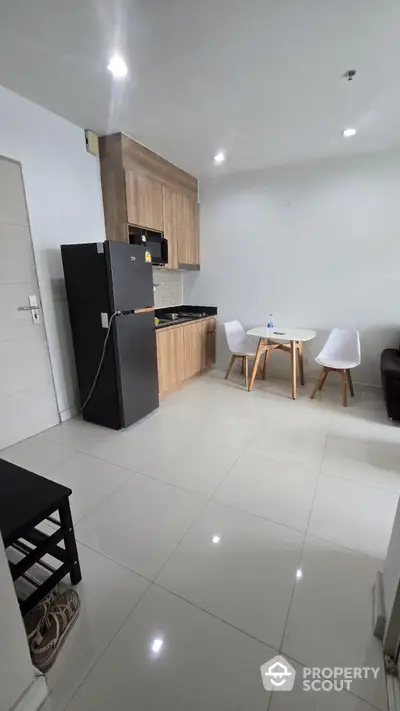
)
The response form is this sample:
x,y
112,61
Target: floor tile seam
x,y
296,582
290,657
116,562
360,483
75,450
257,515
215,616
362,554
133,474
191,525
97,660
240,454
303,465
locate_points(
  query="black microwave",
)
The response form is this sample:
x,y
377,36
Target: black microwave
x,y
153,242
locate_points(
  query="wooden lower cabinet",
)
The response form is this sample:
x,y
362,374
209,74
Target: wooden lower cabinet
x,y
170,352
194,349
183,351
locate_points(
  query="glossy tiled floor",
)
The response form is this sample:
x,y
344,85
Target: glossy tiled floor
x,y
231,526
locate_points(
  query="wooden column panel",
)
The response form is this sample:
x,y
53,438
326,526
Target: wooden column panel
x,y
171,223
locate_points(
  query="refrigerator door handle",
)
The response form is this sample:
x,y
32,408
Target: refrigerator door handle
x,y
144,311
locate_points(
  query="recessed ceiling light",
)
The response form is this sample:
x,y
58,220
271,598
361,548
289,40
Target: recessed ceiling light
x,y
219,157
216,539
157,644
299,574
117,67
349,132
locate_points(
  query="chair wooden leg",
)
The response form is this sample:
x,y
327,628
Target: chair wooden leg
x,y
326,371
246,370
319,383
343,380
350,381
255,366
301,363
229,368
266,359
293,359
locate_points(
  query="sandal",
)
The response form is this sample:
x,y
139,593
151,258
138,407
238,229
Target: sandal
x,y
34,618
54,630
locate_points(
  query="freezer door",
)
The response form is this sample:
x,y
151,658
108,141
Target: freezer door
x,y
137,365
130,276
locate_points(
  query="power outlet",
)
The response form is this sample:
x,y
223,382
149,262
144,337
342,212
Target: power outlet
x,y
104,320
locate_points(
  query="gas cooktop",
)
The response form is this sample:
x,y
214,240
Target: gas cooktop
x,y
176,316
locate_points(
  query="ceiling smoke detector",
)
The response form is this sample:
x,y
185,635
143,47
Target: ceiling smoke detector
x,y
350,74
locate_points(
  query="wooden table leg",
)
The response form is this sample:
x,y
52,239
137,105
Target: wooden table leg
x,y
256,362
266,359
293,359
301,364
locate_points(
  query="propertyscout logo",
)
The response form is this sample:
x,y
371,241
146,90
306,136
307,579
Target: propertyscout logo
x,y
279,675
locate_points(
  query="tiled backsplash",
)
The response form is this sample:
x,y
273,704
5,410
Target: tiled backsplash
x,y
170,289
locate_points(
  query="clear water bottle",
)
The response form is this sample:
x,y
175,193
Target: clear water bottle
x,y
270,325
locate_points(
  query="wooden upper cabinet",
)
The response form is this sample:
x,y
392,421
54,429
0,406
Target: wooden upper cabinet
x,y
144,202
195,209
181,227
188,237
171,223
142,188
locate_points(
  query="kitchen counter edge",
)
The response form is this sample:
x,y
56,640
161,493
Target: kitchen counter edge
x,y
164,326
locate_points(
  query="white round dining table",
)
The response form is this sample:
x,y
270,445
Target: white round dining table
x,y
289,340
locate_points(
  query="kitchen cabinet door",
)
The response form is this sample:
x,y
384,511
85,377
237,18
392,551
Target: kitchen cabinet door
x,y
194,349
188,236
172,223
195,233
144,201
210,334
170,359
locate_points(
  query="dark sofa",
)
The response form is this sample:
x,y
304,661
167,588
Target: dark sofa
x,y
390,372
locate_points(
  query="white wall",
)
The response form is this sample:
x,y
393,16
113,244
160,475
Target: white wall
x,y
317,245
16,671
63,190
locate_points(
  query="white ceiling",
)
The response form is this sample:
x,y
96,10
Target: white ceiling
x,y
260,79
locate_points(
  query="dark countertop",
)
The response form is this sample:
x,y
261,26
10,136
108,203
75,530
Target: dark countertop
x,y
183,309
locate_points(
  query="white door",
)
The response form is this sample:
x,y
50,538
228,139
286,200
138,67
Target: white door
x,y
27,397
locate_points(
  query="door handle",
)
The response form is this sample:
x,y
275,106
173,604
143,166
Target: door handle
x,y
33,307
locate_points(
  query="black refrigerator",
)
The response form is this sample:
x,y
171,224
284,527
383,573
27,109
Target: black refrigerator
x,y
103,279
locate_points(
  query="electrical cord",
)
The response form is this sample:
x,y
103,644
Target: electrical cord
x,y
103,353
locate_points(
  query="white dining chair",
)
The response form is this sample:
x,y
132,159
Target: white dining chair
x,y
340,353
240,346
